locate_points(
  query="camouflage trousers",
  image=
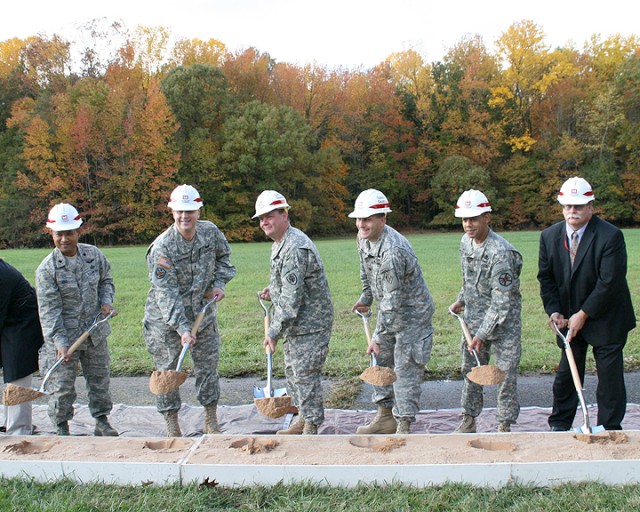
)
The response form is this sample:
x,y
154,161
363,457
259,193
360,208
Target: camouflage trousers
x,y
304,358
165,346
407,352
506,353
94,361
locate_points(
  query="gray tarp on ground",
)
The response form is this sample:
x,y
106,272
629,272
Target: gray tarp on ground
x,y
144,421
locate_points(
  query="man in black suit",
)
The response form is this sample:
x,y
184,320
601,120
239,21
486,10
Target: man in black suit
x,y
582,272
20,340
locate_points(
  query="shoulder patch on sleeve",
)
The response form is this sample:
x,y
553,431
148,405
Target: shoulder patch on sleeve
x,y
160,272
292,278
505,279
164,262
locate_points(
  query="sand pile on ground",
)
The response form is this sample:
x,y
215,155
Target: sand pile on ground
x,y
253,445
384,445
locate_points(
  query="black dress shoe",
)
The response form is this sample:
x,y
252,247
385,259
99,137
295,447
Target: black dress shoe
x,y
558,429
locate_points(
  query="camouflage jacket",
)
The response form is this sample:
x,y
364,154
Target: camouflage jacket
x,y
69,301
390,274
490,284
298,287
181,272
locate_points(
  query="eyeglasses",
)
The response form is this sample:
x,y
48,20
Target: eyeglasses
x,y
577,207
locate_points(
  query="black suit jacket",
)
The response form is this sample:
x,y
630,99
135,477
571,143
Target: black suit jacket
x,y
20,332
597,284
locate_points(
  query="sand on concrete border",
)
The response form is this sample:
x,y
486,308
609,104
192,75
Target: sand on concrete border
x,y
332,449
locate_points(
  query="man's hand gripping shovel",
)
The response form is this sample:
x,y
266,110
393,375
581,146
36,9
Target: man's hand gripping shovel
x,y
14,395
270,402
586,426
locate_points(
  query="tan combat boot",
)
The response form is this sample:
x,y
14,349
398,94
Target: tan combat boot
x,y
173,426
383,423
503,426
467,425
310,429
404,427
294,430
211,419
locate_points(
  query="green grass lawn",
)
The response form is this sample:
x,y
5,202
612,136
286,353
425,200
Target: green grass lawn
x,y
240,315
27,496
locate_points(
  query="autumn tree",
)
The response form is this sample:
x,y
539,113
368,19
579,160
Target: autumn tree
x,y
187,52
200,101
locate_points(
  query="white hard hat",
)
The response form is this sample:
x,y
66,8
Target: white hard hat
x,y
63,217
370,202
185,198
471,204
575,191
268,201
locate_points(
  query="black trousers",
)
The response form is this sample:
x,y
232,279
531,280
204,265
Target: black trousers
x,y
611,393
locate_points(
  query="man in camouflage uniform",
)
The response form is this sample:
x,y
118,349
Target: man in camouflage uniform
x,y
490,298
189,267
74,286
303,313
390,274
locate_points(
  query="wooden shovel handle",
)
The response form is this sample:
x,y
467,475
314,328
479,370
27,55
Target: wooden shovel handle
x,y
367,331
78,342
465,331
196,324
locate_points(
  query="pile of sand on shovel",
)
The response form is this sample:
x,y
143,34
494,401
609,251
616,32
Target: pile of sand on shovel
x,y
378,376
165,381
14,395
273,407
486,375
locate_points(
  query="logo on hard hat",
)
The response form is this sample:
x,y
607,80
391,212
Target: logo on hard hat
x,y
65,218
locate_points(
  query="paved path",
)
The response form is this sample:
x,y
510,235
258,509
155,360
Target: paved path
x,y
533,390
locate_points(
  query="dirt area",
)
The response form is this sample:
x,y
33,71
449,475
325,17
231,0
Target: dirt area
x,y
332,449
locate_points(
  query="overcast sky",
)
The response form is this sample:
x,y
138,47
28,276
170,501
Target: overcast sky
x,y
347,33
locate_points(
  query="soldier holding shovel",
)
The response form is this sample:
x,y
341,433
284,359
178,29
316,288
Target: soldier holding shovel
x,y
189,267
74,285
302,310
490,298
390,274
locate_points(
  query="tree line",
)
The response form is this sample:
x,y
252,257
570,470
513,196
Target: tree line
x,y
113,121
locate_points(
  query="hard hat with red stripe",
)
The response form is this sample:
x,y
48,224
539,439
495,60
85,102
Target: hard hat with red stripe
x,y
185,198
370,202
63,217
471,204
268,201
575,190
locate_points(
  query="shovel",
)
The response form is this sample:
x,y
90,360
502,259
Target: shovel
x,y
484,375
375,375
162,382
14,395
270,402
586,426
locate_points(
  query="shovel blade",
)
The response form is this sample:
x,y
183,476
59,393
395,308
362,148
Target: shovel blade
x,y
165,381
14,395
584,429
259,392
